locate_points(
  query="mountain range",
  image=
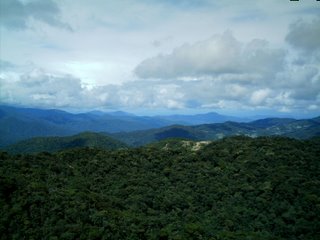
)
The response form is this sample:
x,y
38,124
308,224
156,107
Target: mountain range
x,y
196,136
18,124
55,144
300,129
36,130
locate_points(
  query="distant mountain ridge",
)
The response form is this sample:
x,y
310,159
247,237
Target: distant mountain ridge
x,y
18,124
22,123
54,144
300,129
211,117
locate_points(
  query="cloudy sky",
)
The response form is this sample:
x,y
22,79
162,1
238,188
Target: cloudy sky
x,y
161,56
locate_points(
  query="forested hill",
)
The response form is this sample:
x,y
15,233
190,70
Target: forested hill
x,y
236,188
54,144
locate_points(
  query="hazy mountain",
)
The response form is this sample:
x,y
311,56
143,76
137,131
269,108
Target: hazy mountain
x,y
18,124
22,123
269,122
53,144
301,129
211,117
120,113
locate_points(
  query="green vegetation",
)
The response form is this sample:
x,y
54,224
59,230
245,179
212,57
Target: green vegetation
x,y
234,188
54,144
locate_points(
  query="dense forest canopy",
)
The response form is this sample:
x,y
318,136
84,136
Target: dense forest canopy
x,y
235,188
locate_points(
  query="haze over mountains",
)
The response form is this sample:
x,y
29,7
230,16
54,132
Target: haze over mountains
x,y
41,130
54,144
23,123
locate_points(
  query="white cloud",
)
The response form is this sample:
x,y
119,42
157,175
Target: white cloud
x,y
255,67
313,107
221,54
259,96
41,89
38,88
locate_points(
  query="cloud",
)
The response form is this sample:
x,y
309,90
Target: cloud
x,y
224,71
41,89
259,96
305,35
141,94
221,54
16,15
38,88
5,65
162,41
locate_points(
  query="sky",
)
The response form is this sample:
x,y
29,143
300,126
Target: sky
x,y
160,56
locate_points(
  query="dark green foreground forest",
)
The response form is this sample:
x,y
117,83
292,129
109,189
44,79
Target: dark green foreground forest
x,y
235,188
